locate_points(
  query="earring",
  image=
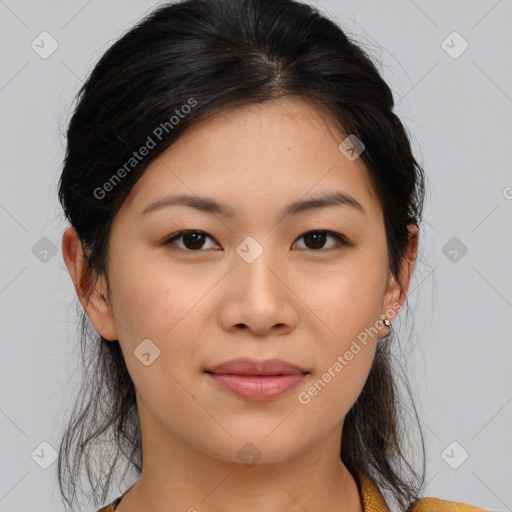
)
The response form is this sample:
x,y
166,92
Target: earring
x,y
387,323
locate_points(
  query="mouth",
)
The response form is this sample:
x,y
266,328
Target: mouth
x,y
257,380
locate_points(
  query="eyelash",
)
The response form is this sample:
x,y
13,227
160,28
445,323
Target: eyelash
x,y
341,240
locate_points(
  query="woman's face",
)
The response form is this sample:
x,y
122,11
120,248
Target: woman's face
x,y
252,283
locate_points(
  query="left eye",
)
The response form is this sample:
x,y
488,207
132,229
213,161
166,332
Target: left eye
x,y
194,240
318,238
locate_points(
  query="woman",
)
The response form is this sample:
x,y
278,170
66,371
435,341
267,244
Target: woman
x,y
245,212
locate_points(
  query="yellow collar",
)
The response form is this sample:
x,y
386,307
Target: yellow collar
x,y
373,501
372,498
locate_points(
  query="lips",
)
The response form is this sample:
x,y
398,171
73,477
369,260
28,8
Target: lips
x,y
247,366
257,380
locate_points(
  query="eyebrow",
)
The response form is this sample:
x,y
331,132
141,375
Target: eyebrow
x,y
211,206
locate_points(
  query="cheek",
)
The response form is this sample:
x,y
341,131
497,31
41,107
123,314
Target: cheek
x,y
153,304
348,300
343,356
348,305
151,299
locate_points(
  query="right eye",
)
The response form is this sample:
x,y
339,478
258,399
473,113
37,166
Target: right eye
x,y
193,241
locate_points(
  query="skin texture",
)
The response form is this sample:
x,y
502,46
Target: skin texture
x,y
300,300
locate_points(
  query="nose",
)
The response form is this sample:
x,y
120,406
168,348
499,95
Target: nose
x,y
259,297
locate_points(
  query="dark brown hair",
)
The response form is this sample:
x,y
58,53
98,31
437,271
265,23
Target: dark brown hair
x,y
209,54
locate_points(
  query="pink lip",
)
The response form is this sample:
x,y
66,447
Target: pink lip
x,y
258,387
257,380
247,366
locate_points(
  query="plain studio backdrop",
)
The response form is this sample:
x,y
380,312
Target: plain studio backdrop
x,y
448,64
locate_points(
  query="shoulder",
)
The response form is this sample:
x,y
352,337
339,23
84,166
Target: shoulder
x,y
438,505
373,500
109,508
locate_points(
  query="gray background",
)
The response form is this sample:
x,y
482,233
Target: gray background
x,y
457,349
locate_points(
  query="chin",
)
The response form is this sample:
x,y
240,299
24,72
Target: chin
x,y
248,449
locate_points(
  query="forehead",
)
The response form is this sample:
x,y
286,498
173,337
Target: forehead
x,y
277,152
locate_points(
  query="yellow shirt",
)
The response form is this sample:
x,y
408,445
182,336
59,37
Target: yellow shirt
x,y
373,501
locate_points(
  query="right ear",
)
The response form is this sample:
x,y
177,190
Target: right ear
x,y
97,306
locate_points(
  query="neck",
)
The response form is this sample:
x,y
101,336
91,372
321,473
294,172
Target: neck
x,y
179,476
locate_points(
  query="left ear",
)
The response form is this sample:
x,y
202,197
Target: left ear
x,y
397,290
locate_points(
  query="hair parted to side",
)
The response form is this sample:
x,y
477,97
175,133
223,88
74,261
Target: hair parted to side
x,y
212,54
